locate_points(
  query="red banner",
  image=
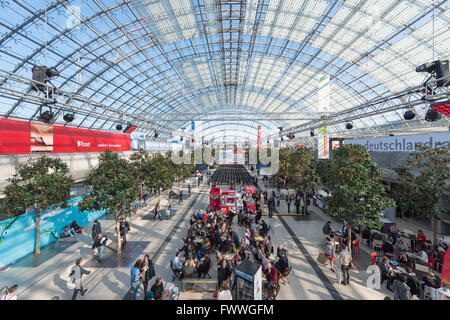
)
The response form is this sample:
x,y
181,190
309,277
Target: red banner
x,y
18,137
14,136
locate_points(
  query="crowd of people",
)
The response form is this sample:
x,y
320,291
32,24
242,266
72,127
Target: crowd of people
x,y
402,254
211,232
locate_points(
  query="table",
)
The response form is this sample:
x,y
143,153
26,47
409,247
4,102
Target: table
x,y
196,296
198,240
440,294
259,239
229,256
273,258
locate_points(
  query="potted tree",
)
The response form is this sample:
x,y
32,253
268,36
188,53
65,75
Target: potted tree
x,y
113,182
41,183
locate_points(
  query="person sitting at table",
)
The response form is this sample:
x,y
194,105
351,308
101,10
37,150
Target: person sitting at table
x,y
327,228
344,228
431,280
203,268
157,289
422,256
201,250
401,245
387,273
193,220
265,261
412,281
189,268
271,276
401,289
189,251
388,247
198,215
420,236
242,253
236,240
177,264
264,228
252,225
268,248
427,246
282,264
403,259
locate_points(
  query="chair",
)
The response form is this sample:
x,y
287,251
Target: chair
x,y
273,293
377,244
284,276
427,293
354,246
374,255
431,263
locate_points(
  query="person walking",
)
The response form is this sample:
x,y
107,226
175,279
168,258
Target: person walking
x,y
147,271
345,259
96,229
156,211
99,244
180,197
124,229
77,273
297,204
288,203
135,277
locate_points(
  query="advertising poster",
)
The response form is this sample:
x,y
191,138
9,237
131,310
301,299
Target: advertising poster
x,y
22,137
257,285
323,146
41,137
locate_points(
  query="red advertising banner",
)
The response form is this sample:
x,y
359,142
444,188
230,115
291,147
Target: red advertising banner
x,y
14,136
84,140
17,137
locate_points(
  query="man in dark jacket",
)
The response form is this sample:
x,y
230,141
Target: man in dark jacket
x,y
282,263
223,271
327,228
401,289
96,229
124,228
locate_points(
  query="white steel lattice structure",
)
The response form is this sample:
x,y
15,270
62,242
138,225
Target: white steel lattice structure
x,y
229,65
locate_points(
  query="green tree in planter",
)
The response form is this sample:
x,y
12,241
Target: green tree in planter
x,y
283,164
322,166
138,160
40,183
160,170
181,171
113,182
423,181
357,194
302,171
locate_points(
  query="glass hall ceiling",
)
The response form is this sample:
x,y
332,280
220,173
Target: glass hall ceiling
x,y
173,62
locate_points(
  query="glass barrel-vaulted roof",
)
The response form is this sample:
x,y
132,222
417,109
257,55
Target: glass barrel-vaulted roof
x,y
163,64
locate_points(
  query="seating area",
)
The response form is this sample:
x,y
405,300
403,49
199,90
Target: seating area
x,y
226,174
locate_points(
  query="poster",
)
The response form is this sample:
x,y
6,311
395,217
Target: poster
x,y
41,135
257,285
323,151
22,137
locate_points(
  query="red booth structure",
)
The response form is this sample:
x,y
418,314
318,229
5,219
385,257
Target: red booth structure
x,y
249,204
224,200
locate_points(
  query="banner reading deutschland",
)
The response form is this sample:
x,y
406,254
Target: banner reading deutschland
x,y
21,137
407,143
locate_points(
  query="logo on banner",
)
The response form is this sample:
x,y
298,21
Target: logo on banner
x,y
82,144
